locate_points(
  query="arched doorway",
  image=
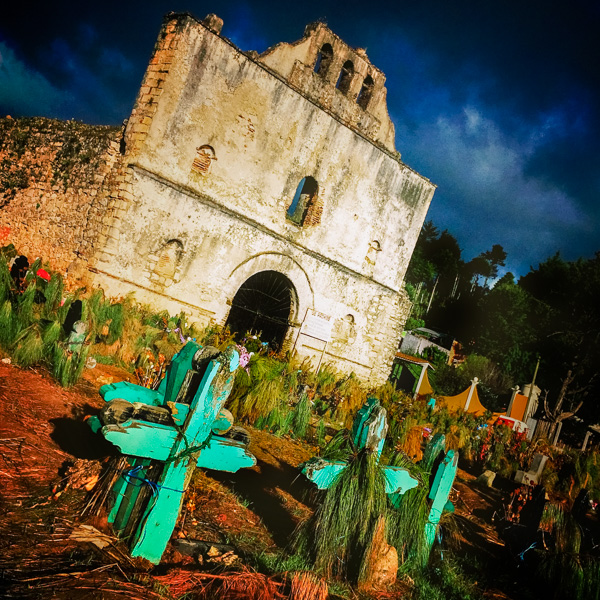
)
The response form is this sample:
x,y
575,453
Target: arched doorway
x,y
263,306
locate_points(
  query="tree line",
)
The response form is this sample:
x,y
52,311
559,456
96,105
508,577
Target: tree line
x,y
552,314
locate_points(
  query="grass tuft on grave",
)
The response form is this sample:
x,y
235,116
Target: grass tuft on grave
x,y
29,346
301,416
406,523
564,571
261,389
336,538
67,367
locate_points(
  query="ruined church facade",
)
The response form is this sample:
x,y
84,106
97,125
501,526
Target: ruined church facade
x,y
257,190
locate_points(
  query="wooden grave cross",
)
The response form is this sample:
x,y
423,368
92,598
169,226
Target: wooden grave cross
x,y
368,431
167,433
440,490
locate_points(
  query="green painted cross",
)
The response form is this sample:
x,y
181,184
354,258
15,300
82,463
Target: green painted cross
x,y
440,490
167,433
368,431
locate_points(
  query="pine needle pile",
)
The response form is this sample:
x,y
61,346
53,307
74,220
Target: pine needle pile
x,y
406,522
336,538
307,586
565,572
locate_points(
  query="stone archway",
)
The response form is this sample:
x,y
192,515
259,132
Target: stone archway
x,y
263,305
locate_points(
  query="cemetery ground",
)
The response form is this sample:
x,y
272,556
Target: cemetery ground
x,y
50,547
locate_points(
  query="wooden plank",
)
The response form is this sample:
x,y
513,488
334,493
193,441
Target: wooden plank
x,y
131,392
142,439
398,480
224,454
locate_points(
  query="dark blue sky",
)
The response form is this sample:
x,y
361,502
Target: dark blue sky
x,y
498,103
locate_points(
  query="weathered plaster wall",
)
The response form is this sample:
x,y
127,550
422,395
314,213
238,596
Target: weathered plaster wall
x,y
215,148
54,181
266,137
221,250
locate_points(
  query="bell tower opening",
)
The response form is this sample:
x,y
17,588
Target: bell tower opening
x,y
263,306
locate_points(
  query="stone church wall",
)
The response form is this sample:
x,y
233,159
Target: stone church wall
x,y
198,193
216,147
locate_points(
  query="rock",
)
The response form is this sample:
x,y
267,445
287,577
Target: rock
x,y
385,568
486,478
382,569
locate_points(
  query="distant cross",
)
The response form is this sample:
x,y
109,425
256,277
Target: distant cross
x,y
368,431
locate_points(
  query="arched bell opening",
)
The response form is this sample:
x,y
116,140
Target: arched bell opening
x,y
263,306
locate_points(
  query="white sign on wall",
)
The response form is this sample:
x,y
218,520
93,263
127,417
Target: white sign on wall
x,y
317,325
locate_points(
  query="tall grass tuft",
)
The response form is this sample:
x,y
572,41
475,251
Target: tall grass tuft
x,y
320,433
339,447
591,579
301,417
53,294
277,422
31,276
325,380
6,281
9,327
25,312
67,367
353,394
564,570
29,349
263,390
51,333
406,523
338,535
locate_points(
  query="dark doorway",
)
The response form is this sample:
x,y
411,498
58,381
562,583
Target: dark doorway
x,y
262,307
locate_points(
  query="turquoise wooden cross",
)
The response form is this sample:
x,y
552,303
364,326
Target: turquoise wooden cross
x,y
440,490
167,433
368,431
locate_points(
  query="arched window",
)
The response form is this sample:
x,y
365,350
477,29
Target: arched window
x,y
304,202
345,78
167,260
324,58
366,91
204,157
